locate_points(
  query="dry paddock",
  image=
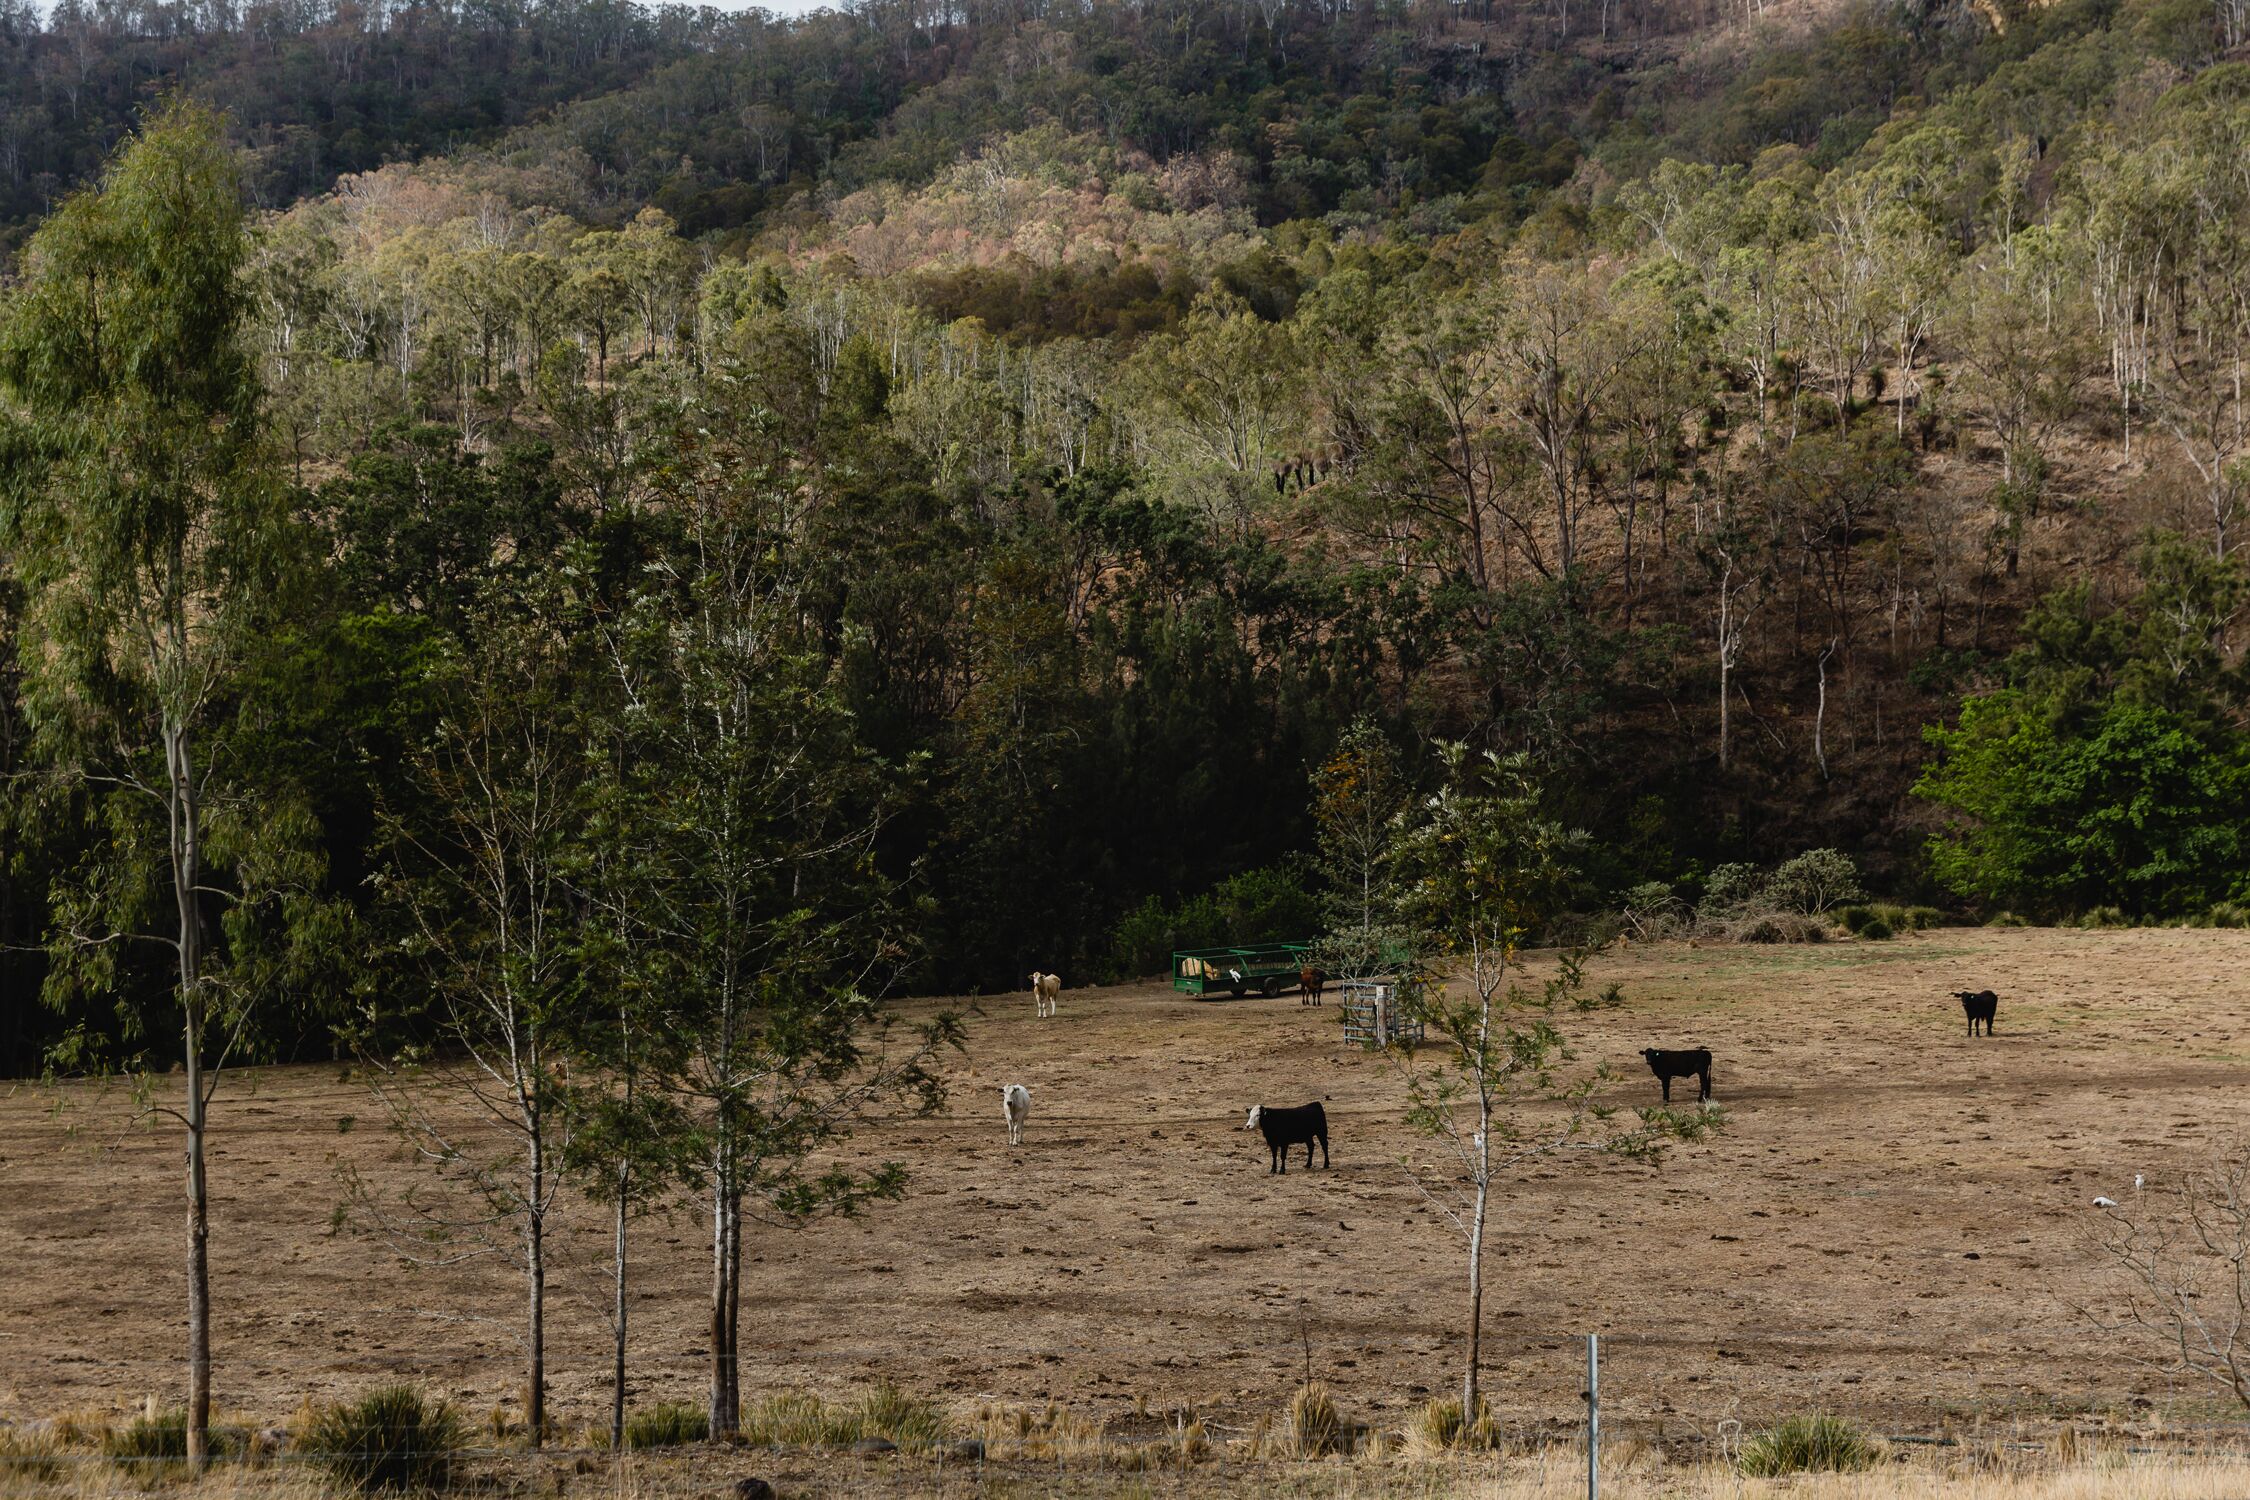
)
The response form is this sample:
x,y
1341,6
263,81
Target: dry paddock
x,y
1891,1224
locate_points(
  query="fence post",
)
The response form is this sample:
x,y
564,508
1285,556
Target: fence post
x,y
1593,1416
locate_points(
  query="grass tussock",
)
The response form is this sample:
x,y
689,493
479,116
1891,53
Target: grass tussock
x,y
799,1419
150,1439
1439,1429
1045,1434
668,1424
29,1457
1312,1427
1054,1434
1807,1445
913,1422
1558,1474
392,1438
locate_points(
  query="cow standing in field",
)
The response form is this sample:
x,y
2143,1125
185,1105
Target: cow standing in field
x,y
1310,983
1284,1128
1694,1062
1015,1103
1046,994
1979,1005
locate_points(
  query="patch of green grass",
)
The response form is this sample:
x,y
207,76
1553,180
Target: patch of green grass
x,y
909,1421
668,1424
799,1419
389,1439
1807,1445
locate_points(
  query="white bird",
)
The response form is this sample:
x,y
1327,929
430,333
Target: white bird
x,y
2105,1203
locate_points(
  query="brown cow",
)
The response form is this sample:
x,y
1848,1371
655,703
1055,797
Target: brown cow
x,y
1310,983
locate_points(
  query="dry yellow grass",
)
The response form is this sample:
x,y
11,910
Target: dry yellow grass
x,y
1890,1228
1560,1477
1554,1474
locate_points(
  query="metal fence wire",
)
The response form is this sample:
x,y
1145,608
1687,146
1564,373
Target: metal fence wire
x,y
1632,1405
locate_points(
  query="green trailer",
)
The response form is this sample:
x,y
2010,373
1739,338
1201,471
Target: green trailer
x,y
1268,968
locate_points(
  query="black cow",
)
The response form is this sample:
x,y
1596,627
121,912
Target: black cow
x,y
1284,1128
1980,1005
1695,1063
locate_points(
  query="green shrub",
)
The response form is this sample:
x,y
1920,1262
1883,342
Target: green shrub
x,y
1777,927
668,1424
1650,911
1730,888
2105,916
1265,906
2006,919
798,1419
1807,1445
1876,930
1142,942
1257,906
1814,881
1921,918
389,1439
2228,914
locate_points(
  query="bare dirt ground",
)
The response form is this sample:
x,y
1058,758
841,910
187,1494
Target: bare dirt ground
x,y
1890,1226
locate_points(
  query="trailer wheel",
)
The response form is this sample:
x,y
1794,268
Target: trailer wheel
x,y
1271,987
1236,990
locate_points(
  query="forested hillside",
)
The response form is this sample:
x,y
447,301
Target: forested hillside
x,y
983,456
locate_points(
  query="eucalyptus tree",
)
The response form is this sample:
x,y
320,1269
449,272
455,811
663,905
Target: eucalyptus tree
x,y
1482,869
1359,792
2026,360
762,882
146,524
487,862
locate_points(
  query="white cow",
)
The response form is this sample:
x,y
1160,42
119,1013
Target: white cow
x,y
1015,1103
1046,993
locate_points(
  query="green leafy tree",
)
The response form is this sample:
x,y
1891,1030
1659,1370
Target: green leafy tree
x,y
2141,806
631,1141
763,813
1482,870
2109,768
1358,795
486,860
144,520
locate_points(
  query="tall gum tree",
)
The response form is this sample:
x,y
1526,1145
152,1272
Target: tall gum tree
x,y
1481,872
760,895
140,512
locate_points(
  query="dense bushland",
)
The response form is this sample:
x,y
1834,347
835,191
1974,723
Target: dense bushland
x,y
1841,451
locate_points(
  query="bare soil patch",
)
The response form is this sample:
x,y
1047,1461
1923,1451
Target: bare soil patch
x,y
1889,1227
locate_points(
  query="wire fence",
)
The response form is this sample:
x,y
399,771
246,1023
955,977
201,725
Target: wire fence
x,y
1651,1400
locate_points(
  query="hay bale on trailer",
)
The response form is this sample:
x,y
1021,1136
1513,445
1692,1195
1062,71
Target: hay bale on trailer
x,y
1264,967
